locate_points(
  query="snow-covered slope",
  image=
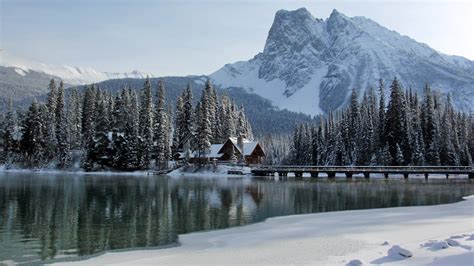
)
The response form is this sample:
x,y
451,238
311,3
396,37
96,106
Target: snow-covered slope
x,y
310,65
70,75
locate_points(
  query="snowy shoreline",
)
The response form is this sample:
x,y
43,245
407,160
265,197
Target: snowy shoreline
x,y
79,172
434,235
221,172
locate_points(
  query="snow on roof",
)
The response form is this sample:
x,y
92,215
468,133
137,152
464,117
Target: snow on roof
x,y
249,146
215,148
214,152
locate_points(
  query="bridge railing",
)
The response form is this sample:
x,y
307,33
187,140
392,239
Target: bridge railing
x,y
303,168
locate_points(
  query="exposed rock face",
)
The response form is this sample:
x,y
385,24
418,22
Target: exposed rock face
x,y
311,65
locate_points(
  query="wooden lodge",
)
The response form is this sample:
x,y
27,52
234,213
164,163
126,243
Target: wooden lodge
x,y
233,150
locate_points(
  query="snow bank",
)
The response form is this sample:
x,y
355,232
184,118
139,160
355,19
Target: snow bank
x,y
334,238
77,172
219,171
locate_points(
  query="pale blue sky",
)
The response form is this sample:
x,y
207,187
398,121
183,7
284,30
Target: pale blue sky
x,y
181,37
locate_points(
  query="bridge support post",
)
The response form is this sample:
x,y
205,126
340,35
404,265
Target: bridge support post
x,y
366,175
385,175
348,175
331,174
405,175
471,175
447,176
426,175
314,174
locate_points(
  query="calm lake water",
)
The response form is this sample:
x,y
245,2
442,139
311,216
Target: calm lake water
x,y
47,217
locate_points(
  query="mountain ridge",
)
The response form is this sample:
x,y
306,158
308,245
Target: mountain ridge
x,y
311,65
69,74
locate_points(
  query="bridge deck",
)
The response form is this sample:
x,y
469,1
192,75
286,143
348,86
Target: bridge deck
x,y
283,170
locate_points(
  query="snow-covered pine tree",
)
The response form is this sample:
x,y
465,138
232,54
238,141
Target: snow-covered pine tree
x,y
161,129
118,122
307,145
353,128
227,119
366,134
430,126
8,133
88,114
212,107
178,124
33,141
417,146
50,122
132,138
204,127
62,133
217,128
395,124
100,151
74,114
448,155
241,129
399,159
296,146
381,140
188,125
168,135
146,125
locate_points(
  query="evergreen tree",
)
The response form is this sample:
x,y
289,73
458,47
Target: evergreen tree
x,y
146,125
227,118
430,128
33,141
9,130
395,120
204,127
50,122
161,129
353,126
179,124
448,155
74,114
188,111
62,133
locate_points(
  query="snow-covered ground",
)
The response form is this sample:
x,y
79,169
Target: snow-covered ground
x,y
424,235
72,171
211,171
206,172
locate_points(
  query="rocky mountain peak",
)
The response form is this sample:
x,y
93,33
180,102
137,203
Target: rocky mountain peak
x,y
311,65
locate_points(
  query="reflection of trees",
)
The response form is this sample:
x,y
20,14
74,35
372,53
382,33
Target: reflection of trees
x,y
255,193
88,214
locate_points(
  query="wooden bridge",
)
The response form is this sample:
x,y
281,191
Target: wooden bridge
x,y
331,171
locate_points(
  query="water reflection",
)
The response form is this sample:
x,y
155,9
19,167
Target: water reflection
x,y
44,217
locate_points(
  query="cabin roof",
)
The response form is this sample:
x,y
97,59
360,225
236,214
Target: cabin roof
x,y
214,152
249,146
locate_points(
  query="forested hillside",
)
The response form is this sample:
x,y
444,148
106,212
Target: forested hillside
x,y
263,116
408,130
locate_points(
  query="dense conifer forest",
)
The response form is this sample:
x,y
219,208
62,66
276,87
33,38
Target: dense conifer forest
x,y
124,131
136,130
408,130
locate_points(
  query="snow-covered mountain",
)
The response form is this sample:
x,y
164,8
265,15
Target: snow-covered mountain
x,y
70,75
310,64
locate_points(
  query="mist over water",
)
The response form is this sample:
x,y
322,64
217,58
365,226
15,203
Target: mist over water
x,y
52,216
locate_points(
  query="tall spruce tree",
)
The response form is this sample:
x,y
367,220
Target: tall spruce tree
x,y
161,129
146,125
62,133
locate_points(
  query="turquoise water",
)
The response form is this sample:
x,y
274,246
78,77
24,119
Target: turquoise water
x,y
46,217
